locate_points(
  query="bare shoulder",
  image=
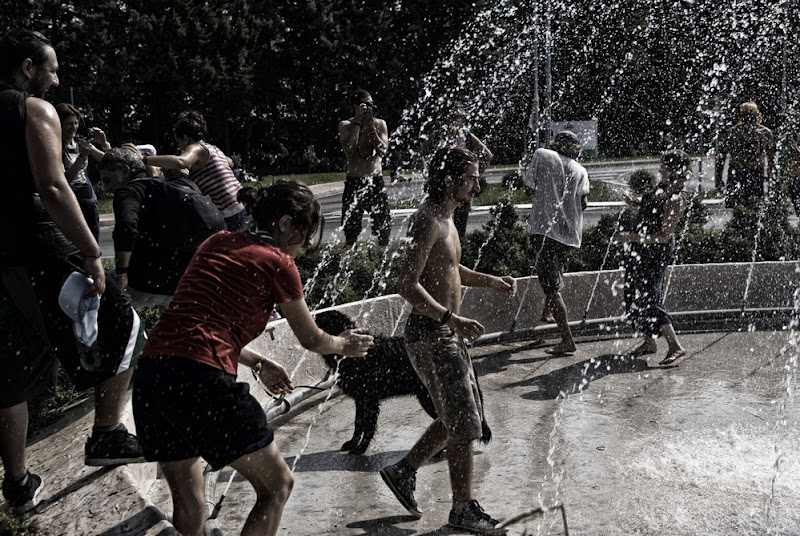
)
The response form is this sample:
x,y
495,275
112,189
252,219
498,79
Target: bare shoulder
x,y
40,110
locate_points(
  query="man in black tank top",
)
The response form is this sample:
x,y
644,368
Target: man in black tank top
x,y
43,239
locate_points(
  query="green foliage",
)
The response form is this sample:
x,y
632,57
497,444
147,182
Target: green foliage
x,y
48,408
336,274
501,247
11,525
596,246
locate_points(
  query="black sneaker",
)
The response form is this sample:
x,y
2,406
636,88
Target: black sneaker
x,y
402,482
470,516
22,498
113,448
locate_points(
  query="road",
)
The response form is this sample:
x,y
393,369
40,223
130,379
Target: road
x,y
614,173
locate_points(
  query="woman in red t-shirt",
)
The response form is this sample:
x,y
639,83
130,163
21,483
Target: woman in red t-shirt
x,y
186,401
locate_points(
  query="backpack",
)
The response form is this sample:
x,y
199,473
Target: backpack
x,y
193,216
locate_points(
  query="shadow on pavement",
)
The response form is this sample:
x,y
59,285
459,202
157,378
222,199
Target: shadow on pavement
x,y
576,378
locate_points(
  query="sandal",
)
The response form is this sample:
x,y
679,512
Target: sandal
x,y
672,357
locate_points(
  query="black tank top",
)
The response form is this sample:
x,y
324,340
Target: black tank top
x,y
27,233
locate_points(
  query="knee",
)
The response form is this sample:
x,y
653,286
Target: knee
x,y
275,488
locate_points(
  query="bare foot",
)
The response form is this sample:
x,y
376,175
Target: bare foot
x,y
561,349
645,348
548,319
672,356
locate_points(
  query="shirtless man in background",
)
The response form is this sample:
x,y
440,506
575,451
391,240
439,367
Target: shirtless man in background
x,y
364,139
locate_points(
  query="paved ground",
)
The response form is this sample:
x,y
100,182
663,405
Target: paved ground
x,y
705,447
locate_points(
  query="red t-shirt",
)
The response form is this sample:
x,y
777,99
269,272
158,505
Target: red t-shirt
x,y
224,300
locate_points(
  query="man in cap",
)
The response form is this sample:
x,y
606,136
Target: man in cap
x,y
751,147
558,186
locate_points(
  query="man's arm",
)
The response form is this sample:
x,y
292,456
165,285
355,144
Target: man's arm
x,y
193,154
43,140
373,140
484,154
471,278
348,137
127,206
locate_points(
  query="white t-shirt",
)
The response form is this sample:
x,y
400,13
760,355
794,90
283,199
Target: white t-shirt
x,y
559,183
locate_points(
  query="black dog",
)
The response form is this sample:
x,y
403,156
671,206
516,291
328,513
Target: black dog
x,y
384,372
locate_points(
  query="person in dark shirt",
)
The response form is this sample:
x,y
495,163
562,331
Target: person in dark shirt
x,y
154,238
650,248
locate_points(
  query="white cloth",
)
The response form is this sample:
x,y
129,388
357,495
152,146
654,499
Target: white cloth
x,y
559,183
80,309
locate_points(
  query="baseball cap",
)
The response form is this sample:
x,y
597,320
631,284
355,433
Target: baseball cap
x,y
80,309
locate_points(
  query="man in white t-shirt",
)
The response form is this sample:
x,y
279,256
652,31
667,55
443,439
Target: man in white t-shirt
x,y
558,186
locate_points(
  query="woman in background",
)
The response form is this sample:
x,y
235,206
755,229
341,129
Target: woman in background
x,y
208,167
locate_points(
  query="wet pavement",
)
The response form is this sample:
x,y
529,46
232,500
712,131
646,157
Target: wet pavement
x,y
709,446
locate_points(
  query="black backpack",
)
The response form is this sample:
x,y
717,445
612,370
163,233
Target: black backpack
x,y
192,216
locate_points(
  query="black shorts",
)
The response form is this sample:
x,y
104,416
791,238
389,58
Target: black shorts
x,y
184,409
550,258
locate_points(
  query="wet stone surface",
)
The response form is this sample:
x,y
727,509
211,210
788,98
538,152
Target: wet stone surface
x,y
705,447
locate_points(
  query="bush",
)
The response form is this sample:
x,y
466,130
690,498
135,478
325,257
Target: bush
x,y
335,273
502,246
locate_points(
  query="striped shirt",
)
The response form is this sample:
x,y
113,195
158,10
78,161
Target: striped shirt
x,y
217,181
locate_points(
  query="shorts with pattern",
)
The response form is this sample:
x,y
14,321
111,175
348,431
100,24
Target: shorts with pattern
x,y
34,331
550,257
442,363
185,409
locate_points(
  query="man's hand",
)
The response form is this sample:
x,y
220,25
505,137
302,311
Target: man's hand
x,y
94,269
466,327
505,285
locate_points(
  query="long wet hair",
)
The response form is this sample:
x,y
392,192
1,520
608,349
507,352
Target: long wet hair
x,y
452,161
268,203
192,125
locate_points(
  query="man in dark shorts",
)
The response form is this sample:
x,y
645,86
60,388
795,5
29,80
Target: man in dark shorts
x,y
364,139
558,185
435,336
43,239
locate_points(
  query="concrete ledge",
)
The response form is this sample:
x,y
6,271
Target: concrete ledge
x,y
597,295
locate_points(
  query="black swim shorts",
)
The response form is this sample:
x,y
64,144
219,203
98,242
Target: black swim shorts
x,y
185,409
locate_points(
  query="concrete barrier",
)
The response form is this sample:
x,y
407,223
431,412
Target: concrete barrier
x,y
690,289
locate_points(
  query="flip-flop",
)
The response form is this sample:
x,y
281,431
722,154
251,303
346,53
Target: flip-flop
x,y
671,358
